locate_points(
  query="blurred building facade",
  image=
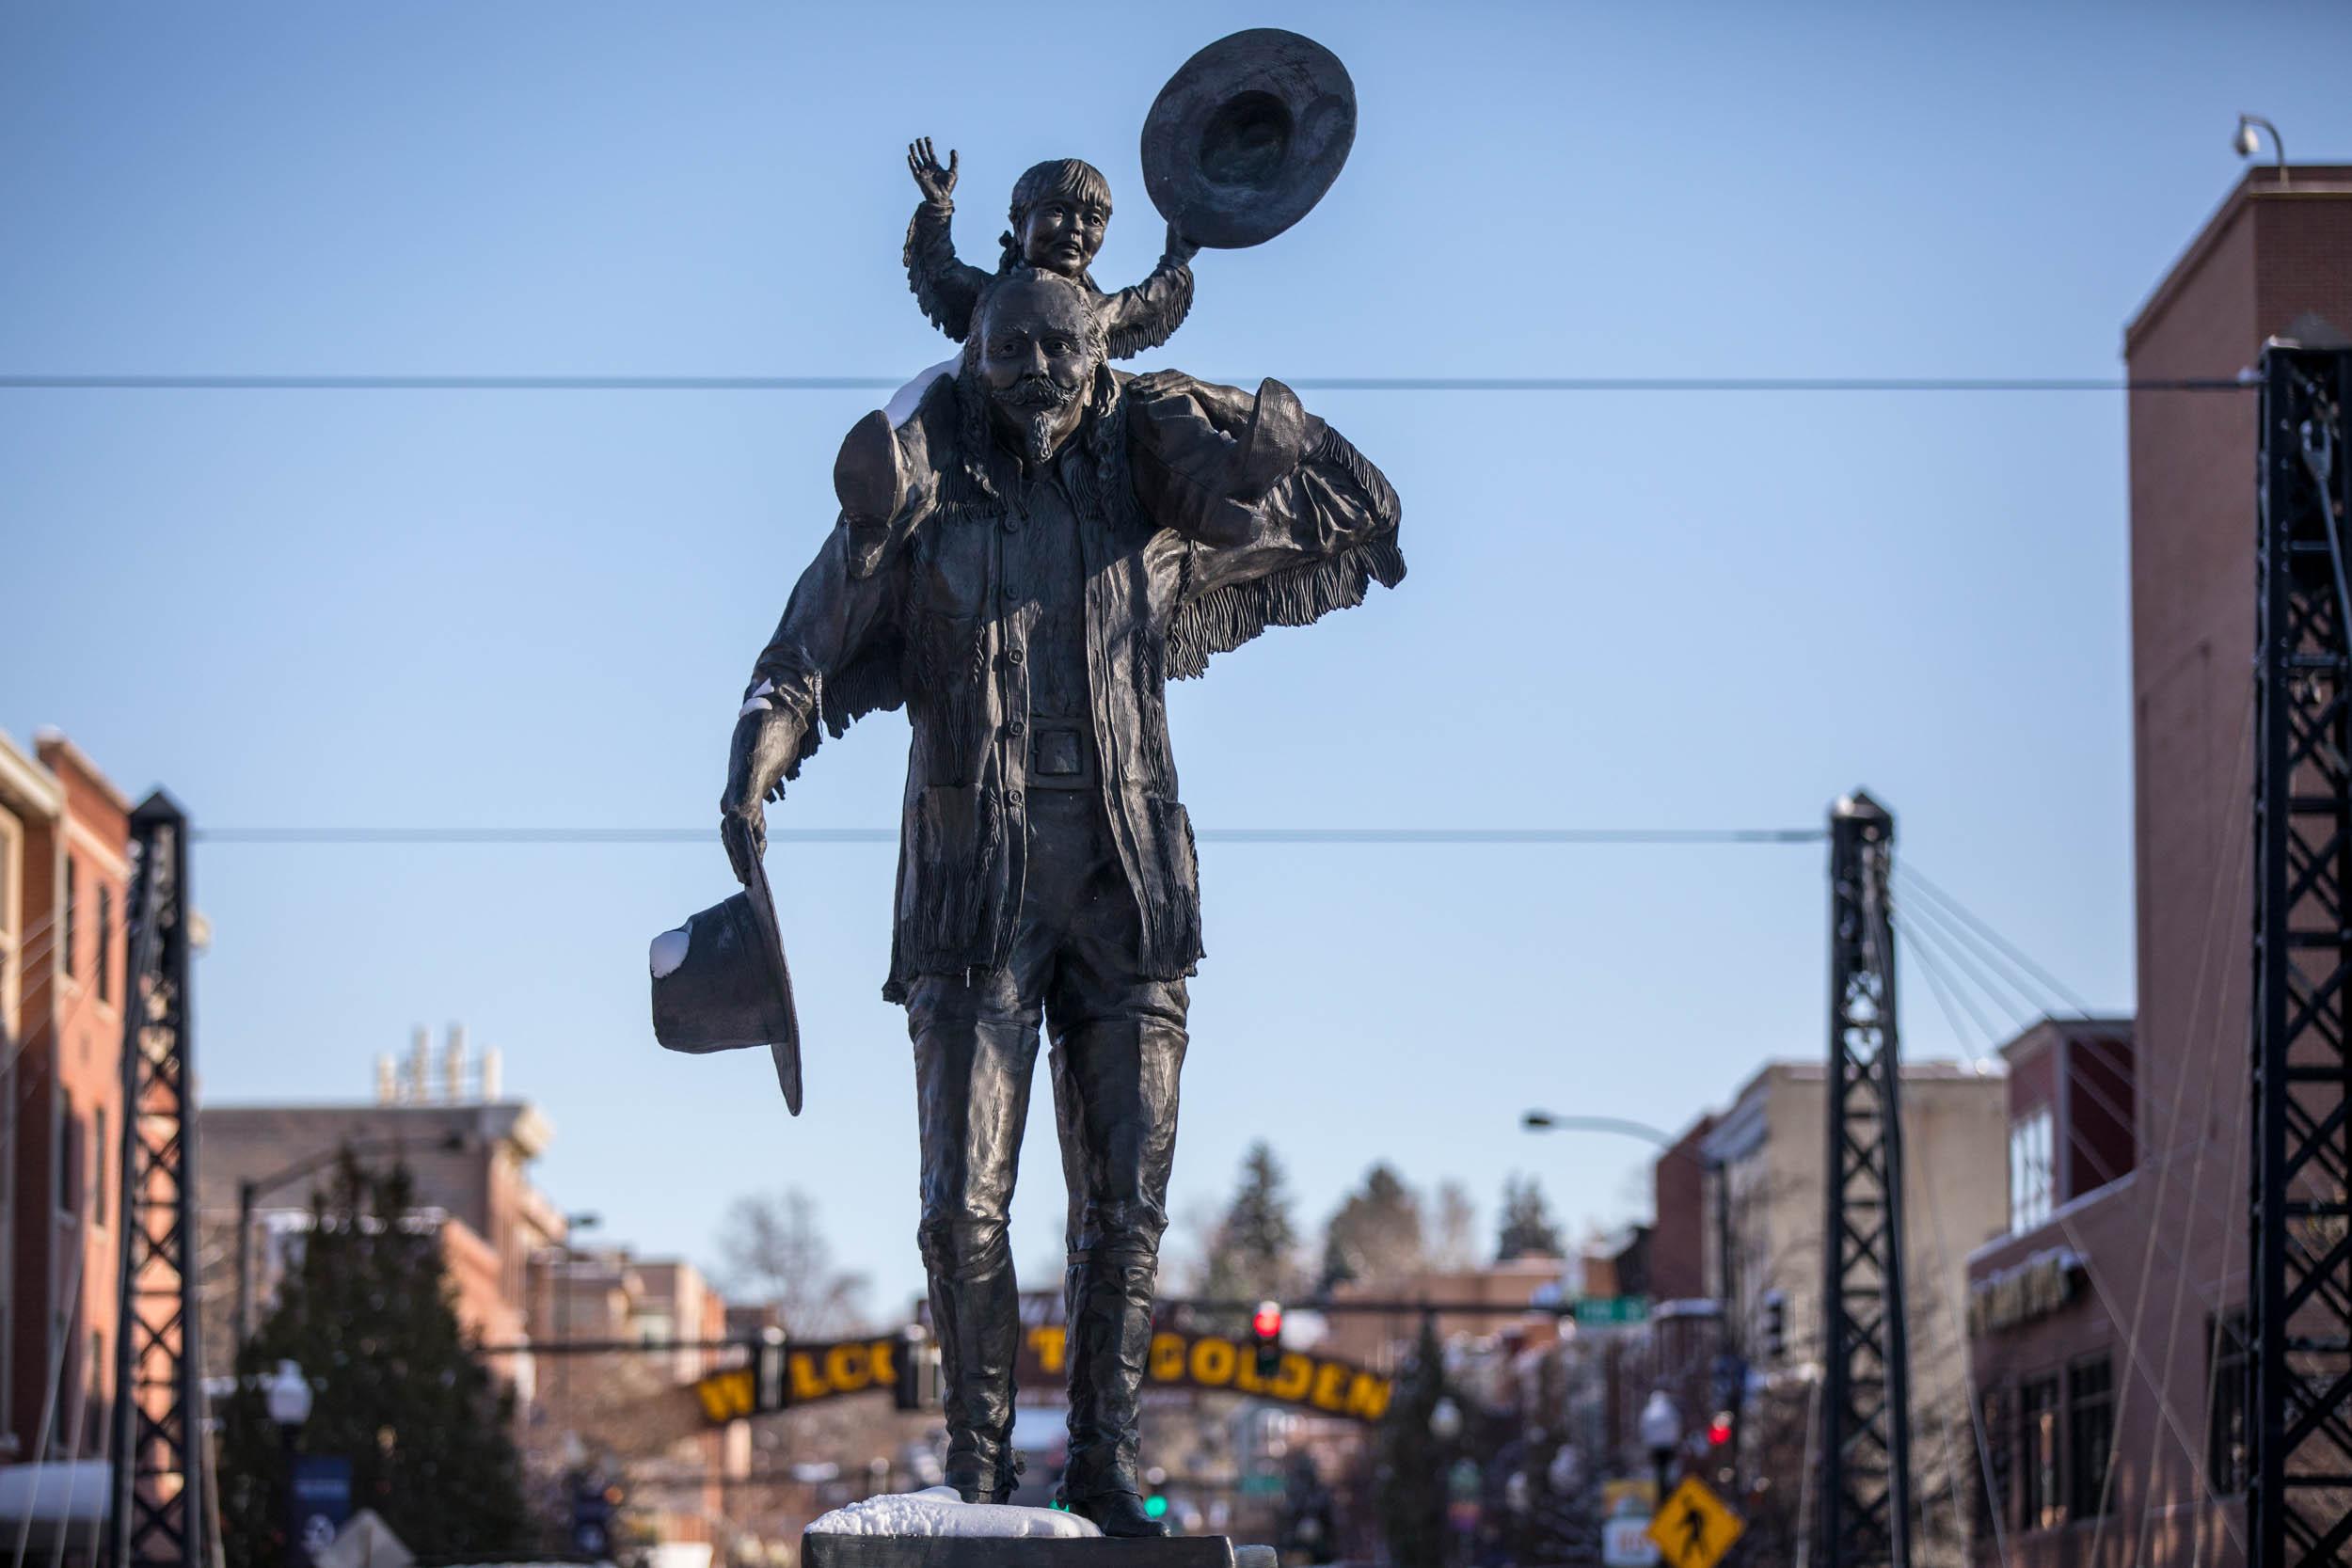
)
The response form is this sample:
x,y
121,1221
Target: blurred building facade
x,y
64,874
2111,1379
523,1286
467,1148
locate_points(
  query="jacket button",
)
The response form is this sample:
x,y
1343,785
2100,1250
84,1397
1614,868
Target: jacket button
x,y
1012,522
1012,797
1013,658
1014,726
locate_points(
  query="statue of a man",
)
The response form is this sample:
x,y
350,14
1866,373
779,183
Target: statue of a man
x,y
1093,535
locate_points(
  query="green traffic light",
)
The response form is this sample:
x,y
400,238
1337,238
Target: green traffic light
x,y
1155,1508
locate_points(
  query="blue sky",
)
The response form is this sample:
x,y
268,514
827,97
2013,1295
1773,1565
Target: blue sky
x,y
1675,611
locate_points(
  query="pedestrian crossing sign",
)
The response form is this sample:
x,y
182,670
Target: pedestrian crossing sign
x,y
1696,1528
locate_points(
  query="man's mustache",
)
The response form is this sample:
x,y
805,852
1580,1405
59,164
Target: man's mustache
x,y
1033,392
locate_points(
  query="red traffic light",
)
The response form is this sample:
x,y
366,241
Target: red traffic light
x,y
1719,1432
1268,1322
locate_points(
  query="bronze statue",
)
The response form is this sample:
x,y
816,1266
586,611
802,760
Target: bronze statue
x,y
1023,564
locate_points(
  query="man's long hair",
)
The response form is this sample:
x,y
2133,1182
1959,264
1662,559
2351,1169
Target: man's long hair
x,y
1101,432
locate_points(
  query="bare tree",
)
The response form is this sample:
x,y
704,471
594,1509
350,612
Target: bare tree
x,y
776,1252
1375,1234
1454,1235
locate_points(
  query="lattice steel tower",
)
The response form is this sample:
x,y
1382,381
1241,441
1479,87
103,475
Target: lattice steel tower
x,y
1866,1383
2299,1495
158,1514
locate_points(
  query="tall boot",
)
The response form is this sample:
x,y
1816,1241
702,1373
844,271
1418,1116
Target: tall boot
x,y
978,1327
1109,1294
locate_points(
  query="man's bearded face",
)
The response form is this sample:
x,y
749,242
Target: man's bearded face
x,y
1036,359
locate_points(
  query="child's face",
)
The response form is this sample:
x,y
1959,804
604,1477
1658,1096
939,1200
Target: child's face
x,y
1061,234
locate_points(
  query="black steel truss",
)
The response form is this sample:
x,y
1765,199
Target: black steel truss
x,y
2300,1494
1866,1383
159,1440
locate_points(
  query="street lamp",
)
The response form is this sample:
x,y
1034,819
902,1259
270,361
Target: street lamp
x,y
2247,144
1661,1427
1728,1327
1445,1420
287,1395
252,1188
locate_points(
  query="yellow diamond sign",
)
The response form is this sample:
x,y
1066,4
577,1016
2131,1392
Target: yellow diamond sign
x,y
1696,1528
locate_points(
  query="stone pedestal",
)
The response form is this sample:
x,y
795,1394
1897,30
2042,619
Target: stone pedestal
x,y
945,1551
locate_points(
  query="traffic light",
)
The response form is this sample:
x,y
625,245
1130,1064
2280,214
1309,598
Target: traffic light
x,y
1265,1328
592,1503
1776,1325
1719,1430
916,1387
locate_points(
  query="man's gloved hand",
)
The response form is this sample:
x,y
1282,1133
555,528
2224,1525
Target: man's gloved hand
x,y
766,741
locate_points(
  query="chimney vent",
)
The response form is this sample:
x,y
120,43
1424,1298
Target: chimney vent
x,y
453,1066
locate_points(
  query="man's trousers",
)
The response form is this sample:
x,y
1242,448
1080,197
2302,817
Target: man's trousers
x,y
1117,1050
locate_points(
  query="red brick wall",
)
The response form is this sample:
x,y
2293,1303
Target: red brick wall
x,y
1677,1242
2267,255
70,1113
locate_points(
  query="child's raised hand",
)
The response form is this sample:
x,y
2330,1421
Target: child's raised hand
x,y
936,181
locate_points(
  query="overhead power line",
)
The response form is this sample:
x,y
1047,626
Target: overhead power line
x,y
890,835
218,383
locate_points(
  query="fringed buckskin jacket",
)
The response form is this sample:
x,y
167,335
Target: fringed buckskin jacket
x,y
921,618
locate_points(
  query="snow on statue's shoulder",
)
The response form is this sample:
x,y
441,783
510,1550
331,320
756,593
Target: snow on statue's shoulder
x,y
937,1510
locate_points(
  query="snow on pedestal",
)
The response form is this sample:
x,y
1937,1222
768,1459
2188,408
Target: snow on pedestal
x,y
939,1511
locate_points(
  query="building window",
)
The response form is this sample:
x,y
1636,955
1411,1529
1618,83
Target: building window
x,y
1996,1481
97,1168
105,943
2090,1435
2229,1373
2038,1505
2032,1172
72,897
69,1174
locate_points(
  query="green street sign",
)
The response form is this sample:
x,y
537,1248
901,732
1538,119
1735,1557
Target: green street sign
x,y
1606,1311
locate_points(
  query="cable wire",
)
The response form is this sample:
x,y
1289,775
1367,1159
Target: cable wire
x,y
509,835
214,381
2016,956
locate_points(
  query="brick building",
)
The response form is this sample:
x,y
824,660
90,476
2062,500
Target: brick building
x,y
2106,1317
469,1151
64,837
520,1281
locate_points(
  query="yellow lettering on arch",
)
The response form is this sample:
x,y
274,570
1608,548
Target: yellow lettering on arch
x,y
1330,1392
845,1369
1051,1342
1213,1362
1368,1397
1167,1358
726,1395
1298,1374
806,1385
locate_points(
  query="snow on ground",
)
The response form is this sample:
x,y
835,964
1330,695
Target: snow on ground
x,y
938,1511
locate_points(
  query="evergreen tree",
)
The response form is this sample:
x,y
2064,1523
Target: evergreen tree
x,y
1527,1227
367,1313
1254,1254
1412,1468
1376,1233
